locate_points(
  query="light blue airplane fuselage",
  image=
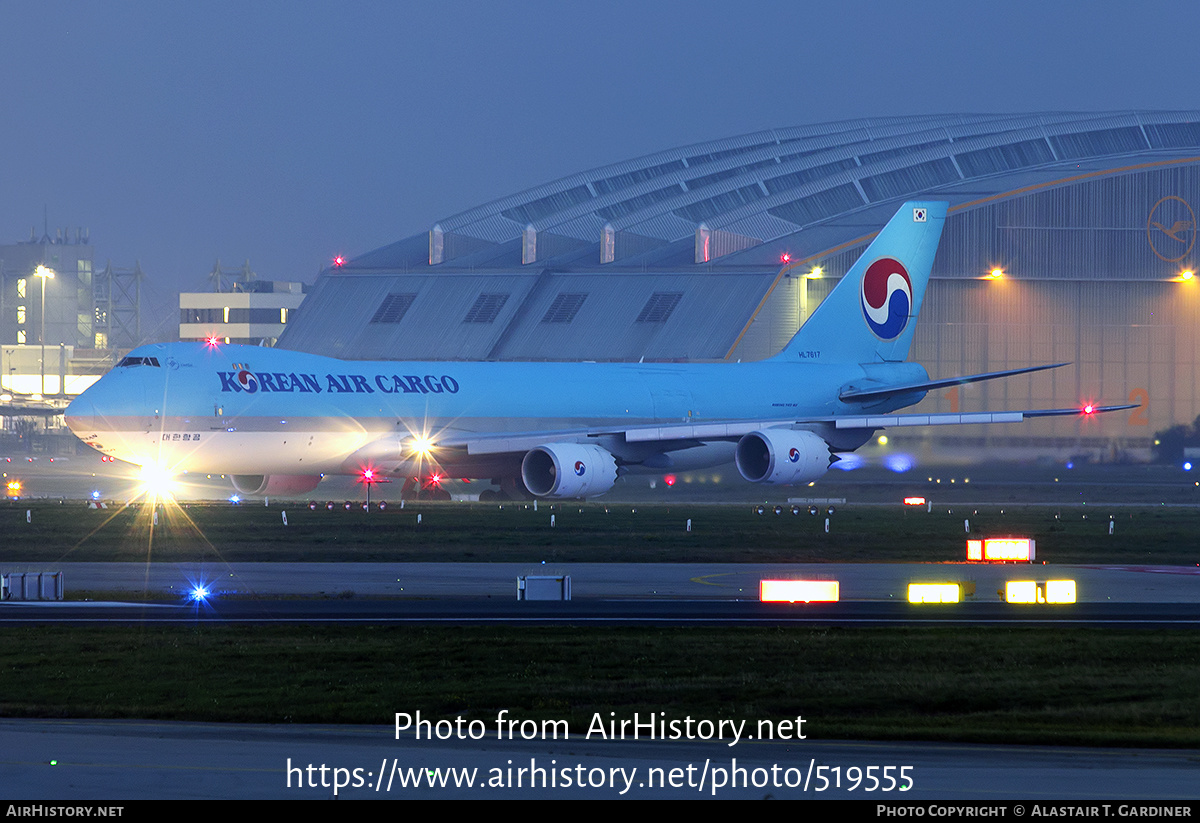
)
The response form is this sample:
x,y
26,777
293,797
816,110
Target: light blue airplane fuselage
x,y
197,394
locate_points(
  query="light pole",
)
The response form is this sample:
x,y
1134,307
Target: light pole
x,y
45,274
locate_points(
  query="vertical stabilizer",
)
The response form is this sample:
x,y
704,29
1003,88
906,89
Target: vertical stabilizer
x,y
870,316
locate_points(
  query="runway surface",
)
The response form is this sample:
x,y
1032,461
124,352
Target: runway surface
x,y
597,612
99,760
693,581
606,593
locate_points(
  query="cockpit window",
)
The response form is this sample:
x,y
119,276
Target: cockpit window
x,y
138,361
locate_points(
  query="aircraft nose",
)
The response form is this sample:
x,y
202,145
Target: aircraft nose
x,y
108,402
80,413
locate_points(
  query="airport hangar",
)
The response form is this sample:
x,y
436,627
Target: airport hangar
x,y
1070,238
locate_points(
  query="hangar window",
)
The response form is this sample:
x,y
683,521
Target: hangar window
x,y
486,309
1004,158
1095,143
799,178
608,185
1173,135
659,307
551,203
640,202
564,308
717,176
797,155
820,205
910,179
393,308
721,203
877,156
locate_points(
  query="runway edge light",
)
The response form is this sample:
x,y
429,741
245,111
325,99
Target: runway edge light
x,y
798,591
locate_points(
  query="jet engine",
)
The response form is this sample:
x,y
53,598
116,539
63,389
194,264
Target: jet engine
x,y
567,470
275,485
782,456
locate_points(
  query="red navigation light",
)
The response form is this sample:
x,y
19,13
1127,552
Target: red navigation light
x,y
339,261
435,479
1088,408
669,479
785,258
211,341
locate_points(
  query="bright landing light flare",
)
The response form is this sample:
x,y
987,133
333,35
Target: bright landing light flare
x,y
156,481
421,446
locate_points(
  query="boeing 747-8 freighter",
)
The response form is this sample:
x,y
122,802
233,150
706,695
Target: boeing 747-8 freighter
x,y
278,421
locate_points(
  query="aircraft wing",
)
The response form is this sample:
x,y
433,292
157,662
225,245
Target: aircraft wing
x,y
501,442
888,420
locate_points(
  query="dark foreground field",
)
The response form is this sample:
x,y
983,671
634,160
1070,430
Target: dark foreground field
x,y
1076,686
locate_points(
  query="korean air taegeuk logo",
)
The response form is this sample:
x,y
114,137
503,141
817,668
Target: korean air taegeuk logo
x,y
886,297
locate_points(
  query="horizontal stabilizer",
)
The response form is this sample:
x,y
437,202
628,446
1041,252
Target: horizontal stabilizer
x,y
861,395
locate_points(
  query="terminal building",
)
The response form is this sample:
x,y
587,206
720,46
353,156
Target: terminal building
x,y
253,313
61,317
1071,238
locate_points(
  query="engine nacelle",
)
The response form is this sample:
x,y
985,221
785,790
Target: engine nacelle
x,y
781,456
566,470
275,485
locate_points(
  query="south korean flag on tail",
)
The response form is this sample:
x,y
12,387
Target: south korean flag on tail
x,y
918,215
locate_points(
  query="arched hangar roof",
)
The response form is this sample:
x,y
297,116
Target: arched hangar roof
x,y
751,191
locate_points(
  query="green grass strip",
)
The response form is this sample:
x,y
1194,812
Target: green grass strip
x,y
1034,686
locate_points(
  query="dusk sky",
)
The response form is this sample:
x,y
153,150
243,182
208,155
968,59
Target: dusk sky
x,y
287,132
